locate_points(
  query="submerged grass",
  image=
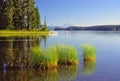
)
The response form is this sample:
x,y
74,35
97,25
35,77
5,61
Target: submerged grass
x,y
89,52
53,56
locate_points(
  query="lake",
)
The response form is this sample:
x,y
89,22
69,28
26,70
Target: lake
x,y
15,57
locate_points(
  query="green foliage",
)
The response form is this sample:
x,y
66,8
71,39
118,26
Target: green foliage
x,y
18,17
38,18
53,56
44,28
89,52
44,58
67,55
7,15
1,14
19,14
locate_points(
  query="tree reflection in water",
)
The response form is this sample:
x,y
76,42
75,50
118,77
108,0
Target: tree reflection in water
x,y
15,54
60,74
15,51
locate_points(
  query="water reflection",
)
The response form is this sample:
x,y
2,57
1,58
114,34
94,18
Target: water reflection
x,y
89,67
67,73
60,74
15,62
49,75
16,75
15,51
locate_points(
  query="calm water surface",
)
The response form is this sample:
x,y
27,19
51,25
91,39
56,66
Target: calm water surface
x,y
15,57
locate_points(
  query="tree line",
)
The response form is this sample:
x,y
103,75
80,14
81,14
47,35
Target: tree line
x,y
19,14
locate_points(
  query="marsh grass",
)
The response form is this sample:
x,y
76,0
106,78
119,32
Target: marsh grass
x,y
67,55
44,58
89,52
53,56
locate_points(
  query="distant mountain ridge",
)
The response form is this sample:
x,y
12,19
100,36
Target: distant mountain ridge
x,y
94,28
67,25
52,26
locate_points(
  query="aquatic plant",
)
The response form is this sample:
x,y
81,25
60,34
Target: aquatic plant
x,y
67,55
89,52
44,58
53,56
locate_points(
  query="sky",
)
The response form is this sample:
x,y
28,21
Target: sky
x,y
80,12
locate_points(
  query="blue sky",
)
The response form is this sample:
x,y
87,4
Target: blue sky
x,y
80,12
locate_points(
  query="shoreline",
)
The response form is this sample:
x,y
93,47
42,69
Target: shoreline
x,y
25,33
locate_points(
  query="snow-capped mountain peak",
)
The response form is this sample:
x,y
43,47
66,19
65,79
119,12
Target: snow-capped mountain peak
x,y
67,25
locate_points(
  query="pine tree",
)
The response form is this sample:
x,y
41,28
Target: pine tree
x,y
7,14
1,14
33,21
18,17
38,18
28,14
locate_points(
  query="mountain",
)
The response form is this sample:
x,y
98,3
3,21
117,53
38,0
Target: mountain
x,y
67,25
52,26
93,28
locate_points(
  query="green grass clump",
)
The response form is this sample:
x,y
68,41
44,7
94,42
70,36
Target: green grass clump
x,y
67,55
44,58
53,56
89,52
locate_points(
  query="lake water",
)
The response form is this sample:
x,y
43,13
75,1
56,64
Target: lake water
x,y
15,53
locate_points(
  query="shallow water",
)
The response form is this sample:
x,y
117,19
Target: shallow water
x,y
15,53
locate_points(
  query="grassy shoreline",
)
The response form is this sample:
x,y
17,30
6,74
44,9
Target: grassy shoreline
x,y
23,32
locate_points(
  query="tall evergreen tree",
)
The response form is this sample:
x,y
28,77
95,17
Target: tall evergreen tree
x,y
38,18
28,13
18,17
1,14
33,22
8,14
32,15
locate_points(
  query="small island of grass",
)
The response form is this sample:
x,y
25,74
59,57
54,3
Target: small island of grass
x,y
89,52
